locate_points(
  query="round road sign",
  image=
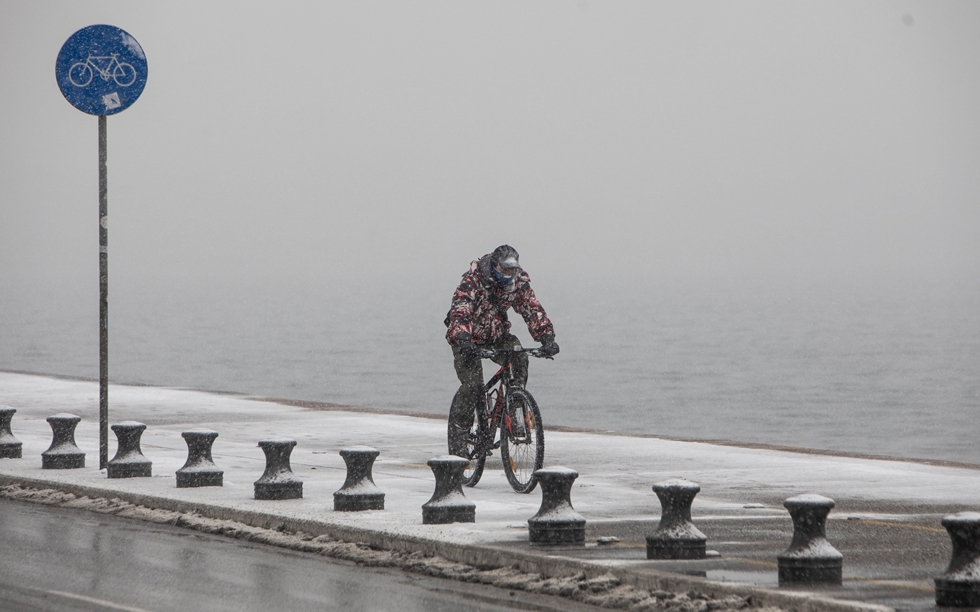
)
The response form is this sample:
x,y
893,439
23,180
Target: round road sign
x,y
101,70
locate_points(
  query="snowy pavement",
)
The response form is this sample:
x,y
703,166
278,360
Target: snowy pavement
x,y
884,508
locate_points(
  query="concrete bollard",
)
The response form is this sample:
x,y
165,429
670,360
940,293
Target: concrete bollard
x,y
63,454
959,587
278,481
676,537
448,504
359,491
810,557
10,447
556,522
129,461
199,470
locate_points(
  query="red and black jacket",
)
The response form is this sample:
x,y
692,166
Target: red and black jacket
x,y
480,306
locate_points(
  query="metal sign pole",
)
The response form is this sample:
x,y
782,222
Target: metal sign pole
x,y
103,300
101,70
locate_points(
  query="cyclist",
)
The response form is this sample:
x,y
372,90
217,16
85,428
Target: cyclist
x,y
477,321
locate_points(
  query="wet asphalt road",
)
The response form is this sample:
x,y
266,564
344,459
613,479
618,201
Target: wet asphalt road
x,y
56,559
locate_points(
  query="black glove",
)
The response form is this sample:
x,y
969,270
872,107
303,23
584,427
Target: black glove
x,y
466,346
549,348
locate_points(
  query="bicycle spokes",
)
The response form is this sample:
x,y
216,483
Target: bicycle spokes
x,y
520,426
523,441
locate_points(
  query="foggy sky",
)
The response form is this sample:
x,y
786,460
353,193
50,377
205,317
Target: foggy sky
x,y
373,139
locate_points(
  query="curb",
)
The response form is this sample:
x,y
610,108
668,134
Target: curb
x,y
480,556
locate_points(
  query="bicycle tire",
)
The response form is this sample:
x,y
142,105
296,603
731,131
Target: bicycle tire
x,y
522,451
124,74
478,460
80,74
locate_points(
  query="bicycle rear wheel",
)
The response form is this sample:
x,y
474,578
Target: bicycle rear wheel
x,y
474,447
80,74
522,441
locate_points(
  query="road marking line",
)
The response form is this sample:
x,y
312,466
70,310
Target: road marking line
x,y
93,600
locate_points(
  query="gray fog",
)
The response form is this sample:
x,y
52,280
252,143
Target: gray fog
x,y
371,140
755,221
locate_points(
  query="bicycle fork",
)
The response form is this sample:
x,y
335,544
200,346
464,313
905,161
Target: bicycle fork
x,y
520,425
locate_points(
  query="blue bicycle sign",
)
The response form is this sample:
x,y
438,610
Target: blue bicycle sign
x,y
101,70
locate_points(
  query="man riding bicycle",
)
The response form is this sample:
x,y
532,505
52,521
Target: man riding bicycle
x,y
477,321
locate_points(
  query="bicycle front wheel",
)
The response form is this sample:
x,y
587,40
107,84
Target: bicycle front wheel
x,y
522,441
124,74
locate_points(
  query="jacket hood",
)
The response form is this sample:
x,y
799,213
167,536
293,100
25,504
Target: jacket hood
x,y
482,269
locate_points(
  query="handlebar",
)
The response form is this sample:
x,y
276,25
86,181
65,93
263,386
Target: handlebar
x,y
534,352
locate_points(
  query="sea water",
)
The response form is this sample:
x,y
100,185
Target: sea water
x,y
887,367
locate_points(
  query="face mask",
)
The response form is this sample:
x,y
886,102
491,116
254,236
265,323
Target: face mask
x,y
501,278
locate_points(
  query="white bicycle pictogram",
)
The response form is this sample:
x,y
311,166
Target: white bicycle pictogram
x,y
81,73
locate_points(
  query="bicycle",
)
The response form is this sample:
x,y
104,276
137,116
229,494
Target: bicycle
x,y
510,409
81,73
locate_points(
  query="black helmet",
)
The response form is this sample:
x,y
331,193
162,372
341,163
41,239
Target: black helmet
x,y
506,257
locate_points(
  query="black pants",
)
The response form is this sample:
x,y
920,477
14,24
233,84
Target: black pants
x,y
470,395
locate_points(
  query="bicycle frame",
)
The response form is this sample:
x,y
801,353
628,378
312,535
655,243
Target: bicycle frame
x,y
496,391
105,73
496,398
521,442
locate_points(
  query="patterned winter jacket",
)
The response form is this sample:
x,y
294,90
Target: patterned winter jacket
x,y
480,306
